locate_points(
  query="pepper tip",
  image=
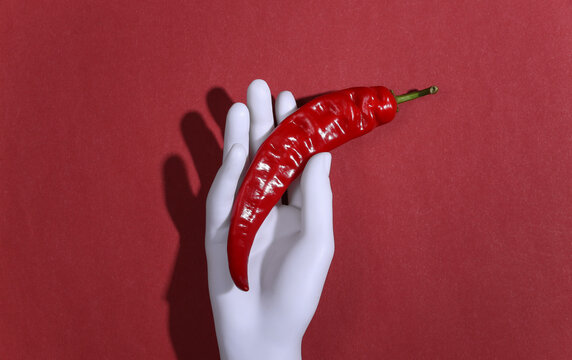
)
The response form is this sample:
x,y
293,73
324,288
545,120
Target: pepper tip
x,y
241,283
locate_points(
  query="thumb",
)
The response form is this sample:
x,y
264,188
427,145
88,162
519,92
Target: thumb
x,y
317,197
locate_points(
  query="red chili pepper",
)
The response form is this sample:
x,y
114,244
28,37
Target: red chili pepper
x,y
319,126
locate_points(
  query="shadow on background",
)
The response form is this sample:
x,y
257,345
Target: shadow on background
x,y
191,325
303,101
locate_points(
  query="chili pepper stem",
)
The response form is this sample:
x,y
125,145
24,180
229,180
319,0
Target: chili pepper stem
x,y
415,94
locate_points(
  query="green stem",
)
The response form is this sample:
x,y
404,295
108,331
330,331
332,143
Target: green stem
x,y
415,94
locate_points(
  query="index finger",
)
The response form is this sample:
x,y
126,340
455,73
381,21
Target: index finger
x,y
237,128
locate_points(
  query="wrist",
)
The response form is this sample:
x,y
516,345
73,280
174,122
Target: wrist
x,y
260,351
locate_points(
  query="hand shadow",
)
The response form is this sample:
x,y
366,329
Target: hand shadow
x,y
191,324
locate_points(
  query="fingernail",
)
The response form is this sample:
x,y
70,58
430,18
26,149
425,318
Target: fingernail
x,y
238,109
236,152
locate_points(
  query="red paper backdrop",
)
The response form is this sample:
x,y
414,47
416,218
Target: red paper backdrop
x,y
453,224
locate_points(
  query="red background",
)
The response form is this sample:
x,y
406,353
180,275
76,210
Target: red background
x,y
453,224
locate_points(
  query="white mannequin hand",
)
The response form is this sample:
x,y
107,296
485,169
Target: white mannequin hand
x,y
292,250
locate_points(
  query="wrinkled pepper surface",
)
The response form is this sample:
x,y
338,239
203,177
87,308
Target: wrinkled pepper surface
x,y
321,125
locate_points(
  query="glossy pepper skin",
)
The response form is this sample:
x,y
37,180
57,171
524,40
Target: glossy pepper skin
x,y
319,126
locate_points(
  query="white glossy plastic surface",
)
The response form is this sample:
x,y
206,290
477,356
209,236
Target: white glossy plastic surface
x,y
292,250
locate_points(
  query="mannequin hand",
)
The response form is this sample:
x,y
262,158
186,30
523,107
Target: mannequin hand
x,y
292,250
